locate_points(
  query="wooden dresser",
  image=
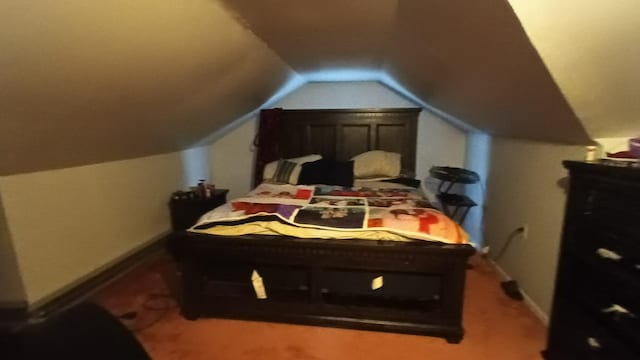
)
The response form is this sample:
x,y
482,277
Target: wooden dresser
x,y
596,309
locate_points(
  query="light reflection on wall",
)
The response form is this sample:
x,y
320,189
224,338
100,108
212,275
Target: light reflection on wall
x,y
195,166
477,159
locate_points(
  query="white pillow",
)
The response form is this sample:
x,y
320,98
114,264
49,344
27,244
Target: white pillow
x,y
376,163
270,168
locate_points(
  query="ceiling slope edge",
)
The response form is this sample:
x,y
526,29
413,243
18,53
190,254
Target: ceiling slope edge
x,y
476,61
593,56
87,84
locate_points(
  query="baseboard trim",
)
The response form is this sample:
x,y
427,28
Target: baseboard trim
x,y
85,287
13,312
535,308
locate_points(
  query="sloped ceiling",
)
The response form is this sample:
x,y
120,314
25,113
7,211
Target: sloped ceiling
x,y
470,59
473,60
85,82
592,49
317,35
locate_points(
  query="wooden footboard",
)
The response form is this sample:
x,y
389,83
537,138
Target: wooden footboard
x,y
407,287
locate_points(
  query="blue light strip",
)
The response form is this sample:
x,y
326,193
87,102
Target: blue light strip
x,y
343,75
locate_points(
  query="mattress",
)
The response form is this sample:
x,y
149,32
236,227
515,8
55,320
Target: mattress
x,y
368,210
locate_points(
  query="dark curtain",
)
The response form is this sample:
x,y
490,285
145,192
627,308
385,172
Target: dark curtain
x,y
266,141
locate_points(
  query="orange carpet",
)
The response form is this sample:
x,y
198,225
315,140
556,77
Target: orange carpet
x,y
496,327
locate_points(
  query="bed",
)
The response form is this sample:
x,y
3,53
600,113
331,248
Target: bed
x,y
414,287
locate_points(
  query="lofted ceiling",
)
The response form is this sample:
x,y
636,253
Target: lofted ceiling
x,y
592,49
88,82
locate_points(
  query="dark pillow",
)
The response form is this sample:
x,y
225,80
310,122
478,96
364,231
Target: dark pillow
x,y
328,172
341,173
314,172
415,183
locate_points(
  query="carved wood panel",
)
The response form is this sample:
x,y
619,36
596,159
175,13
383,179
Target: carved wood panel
x,y
341,134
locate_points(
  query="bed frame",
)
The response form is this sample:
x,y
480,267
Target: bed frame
x,y
323,281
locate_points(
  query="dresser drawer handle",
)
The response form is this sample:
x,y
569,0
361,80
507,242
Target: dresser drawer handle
x,y
618,310
593,343
609,254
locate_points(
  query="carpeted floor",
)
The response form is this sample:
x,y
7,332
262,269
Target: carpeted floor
x,y
496,327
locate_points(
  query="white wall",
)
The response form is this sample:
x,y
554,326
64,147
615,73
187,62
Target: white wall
x,y
339,95
439,143
195,166
67,223
524,187
232,160
612,145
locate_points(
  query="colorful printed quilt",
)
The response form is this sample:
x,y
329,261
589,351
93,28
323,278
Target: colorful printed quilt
x,y
333,212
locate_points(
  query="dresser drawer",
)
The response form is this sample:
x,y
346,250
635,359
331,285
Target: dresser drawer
x,y
577,335
607,298
609,249
612,205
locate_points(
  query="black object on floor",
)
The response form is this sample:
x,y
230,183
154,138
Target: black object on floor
x,y
511,289
85,331
129,315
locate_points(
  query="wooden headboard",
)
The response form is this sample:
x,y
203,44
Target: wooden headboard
x,y
341,134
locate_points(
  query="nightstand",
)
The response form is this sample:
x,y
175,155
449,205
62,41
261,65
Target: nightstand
x,y
186,211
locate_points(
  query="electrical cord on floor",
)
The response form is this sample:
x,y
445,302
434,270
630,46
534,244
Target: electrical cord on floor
x,y
160,303
504,247
510,287
170,302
